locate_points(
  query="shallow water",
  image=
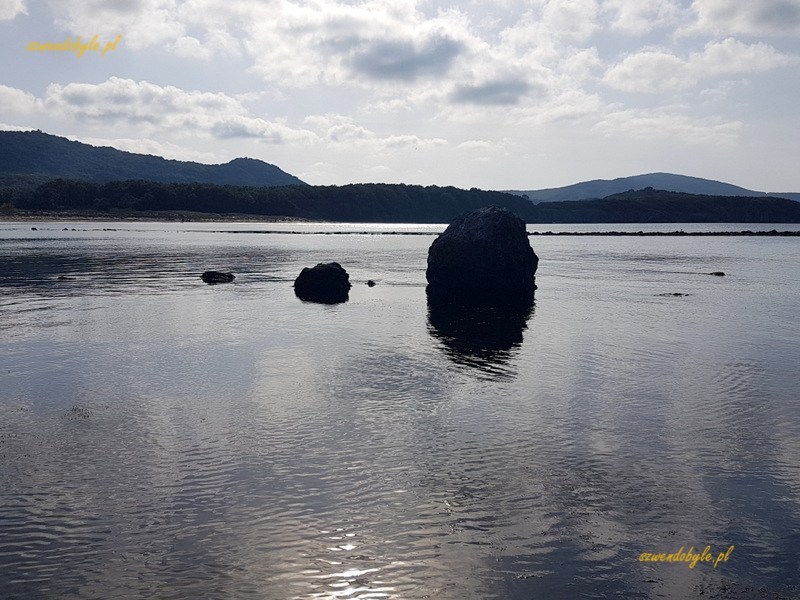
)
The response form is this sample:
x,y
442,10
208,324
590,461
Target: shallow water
x,y
161,438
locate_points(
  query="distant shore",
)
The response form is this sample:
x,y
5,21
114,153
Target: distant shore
x,y
143,216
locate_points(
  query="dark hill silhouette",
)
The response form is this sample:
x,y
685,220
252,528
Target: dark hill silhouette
x,y
659,206
391,203
26,153
601,188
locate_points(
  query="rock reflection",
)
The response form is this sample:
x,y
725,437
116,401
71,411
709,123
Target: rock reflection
x,y
480,332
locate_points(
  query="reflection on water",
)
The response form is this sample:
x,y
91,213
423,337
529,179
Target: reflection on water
x,y
160,438
480,332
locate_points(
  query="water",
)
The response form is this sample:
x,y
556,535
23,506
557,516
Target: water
x,y
161,438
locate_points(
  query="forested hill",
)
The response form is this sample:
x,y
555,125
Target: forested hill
x,y
26,153
396,203
368,202
658,206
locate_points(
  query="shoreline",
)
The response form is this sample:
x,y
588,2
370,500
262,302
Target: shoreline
x,y
194,217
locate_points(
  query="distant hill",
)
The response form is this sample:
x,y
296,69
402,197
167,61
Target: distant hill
x,y
601,188
390,203
27,153
658,206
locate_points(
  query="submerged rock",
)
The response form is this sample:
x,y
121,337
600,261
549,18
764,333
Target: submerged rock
x,y
327,283
718,274
483,253
213,277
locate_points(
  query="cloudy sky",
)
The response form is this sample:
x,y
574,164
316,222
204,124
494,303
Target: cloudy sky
x,y
496,95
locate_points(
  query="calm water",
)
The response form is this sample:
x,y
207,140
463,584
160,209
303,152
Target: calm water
x,y
161,438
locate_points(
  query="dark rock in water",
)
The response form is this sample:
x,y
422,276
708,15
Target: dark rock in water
x,y
479,333
34,229
483,253
371,283
677,294
212,277
327,283
718,274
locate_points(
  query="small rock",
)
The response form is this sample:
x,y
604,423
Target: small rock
x,y
371,283
327,283
717,274
34,229
213,277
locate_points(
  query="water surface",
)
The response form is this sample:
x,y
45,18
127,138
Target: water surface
x,y
162,438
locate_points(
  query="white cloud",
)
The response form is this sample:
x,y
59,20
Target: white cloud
x,y
17,101
574,20
664,124
641,16
748,17
7,127
240,126
150,146
10,9
157,108
340,131
654,71
480,145
142,23
367,43
410,141
125,100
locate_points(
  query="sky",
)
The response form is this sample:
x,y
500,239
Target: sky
x,y
494,95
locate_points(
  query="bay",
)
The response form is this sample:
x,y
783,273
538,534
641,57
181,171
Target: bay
x,y
163,438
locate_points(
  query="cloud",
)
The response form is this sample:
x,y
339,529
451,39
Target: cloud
x,y
10,9
239,126
17,101
340,130
410,141
498,92
481,145
149,146
7,127
665,124
574,20
141,103
750,17
357,44
404,60
142,23
125,100
653,71
639,17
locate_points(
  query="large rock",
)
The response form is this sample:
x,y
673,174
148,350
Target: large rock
x,y
328,283
485,252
